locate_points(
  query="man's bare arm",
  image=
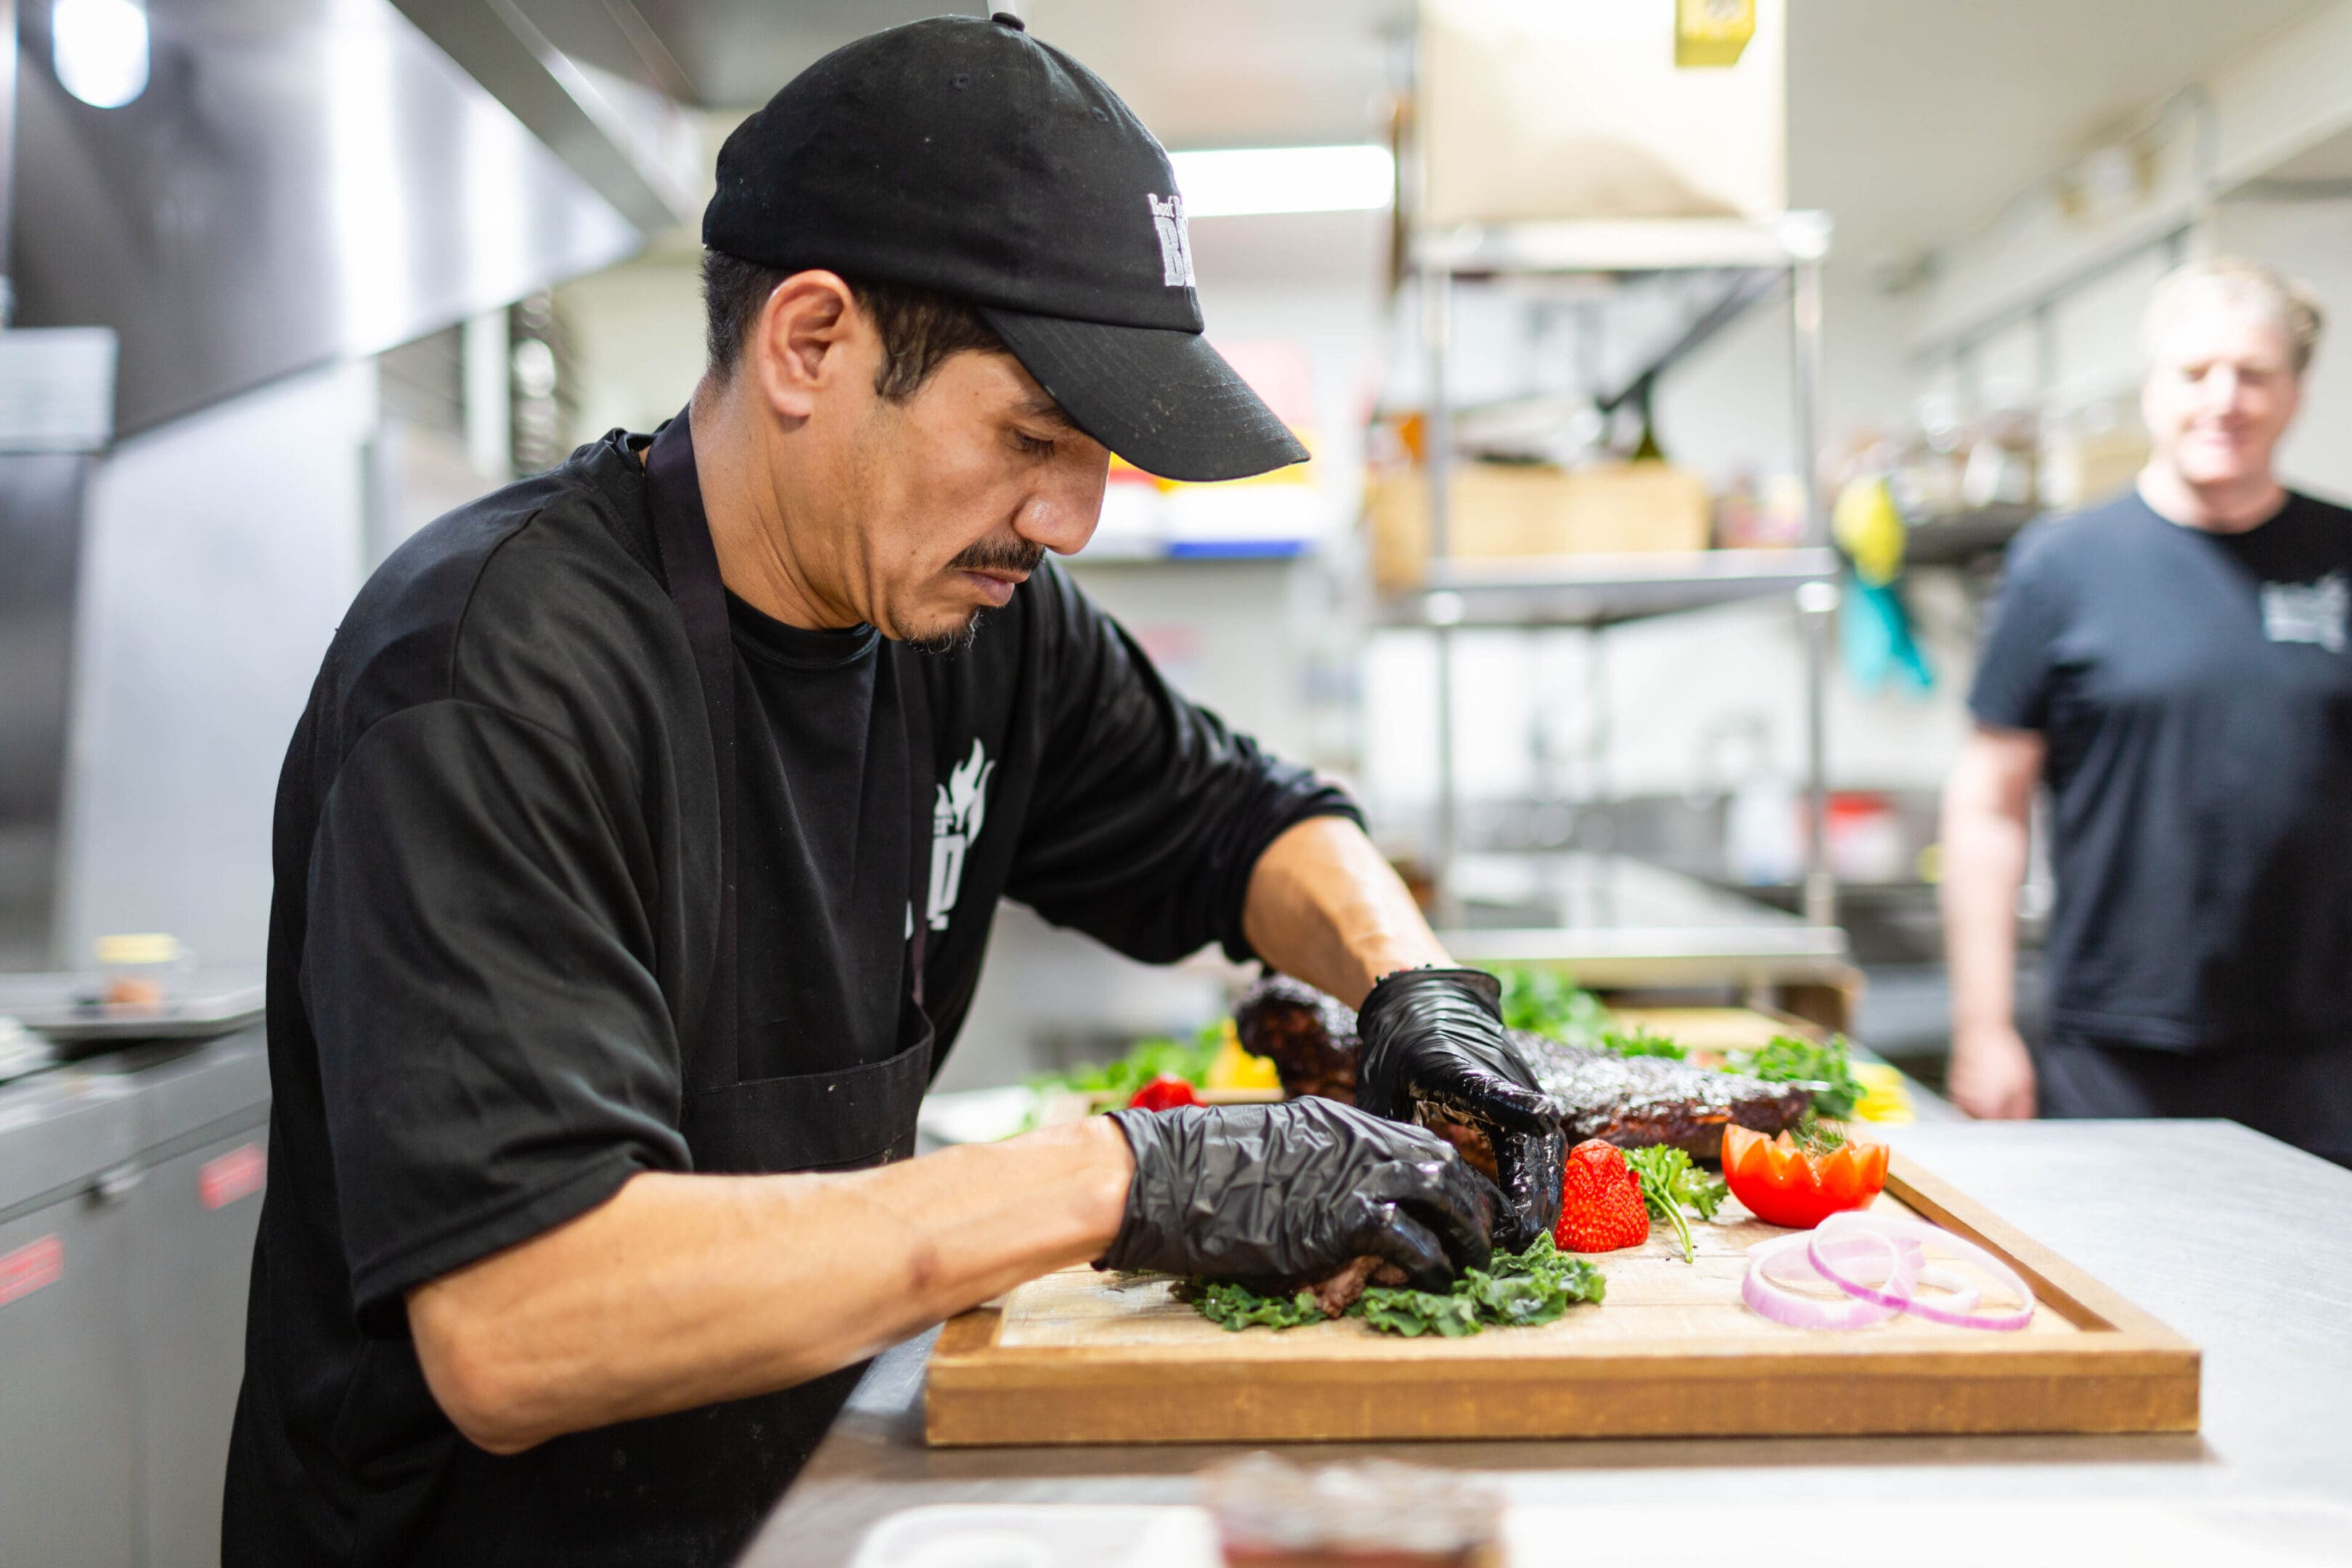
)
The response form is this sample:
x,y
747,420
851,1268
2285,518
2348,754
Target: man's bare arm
x,y
1323,906
1987,802
682,1290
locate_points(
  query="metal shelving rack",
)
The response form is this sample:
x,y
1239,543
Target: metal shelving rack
x,y
1597,591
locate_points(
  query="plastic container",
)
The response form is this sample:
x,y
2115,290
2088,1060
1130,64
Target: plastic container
x,y
1270,1513
142,970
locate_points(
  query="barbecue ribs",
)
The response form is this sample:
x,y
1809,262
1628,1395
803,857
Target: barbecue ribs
x,y
1627,1101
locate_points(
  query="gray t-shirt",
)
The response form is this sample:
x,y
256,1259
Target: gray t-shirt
x,y
2195,690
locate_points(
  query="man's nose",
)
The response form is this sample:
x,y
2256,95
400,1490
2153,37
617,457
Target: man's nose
x,y
1058,519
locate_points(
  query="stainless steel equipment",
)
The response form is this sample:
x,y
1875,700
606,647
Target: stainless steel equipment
x,y
57,405
202,1159
69,1465
129,1191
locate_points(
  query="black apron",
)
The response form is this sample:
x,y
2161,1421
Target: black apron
x,y
689,1488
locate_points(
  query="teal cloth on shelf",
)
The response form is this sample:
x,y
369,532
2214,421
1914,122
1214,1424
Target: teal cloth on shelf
x,y
1875,639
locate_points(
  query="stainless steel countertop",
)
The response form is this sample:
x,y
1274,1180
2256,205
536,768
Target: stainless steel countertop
x,y
2237,1241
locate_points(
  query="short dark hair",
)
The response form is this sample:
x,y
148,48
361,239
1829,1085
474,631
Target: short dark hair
x,y
920,328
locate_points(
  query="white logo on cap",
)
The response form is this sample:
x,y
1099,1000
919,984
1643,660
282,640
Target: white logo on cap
x,y
1175,241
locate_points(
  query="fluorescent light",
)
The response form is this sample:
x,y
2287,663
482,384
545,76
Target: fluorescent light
x,y
100,50
1230,182
367,194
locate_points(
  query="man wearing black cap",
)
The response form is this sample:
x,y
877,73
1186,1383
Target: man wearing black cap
x,y
636,853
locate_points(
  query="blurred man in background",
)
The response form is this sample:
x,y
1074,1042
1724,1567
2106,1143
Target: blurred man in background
x,y
2177,664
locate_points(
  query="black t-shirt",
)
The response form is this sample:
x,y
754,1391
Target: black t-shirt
x,y
496,864
2195,693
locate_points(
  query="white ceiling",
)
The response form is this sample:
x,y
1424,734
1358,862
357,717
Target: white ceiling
x,y
1910,121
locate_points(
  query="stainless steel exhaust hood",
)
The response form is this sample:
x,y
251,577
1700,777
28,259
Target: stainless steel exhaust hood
x,y
293,184
303,180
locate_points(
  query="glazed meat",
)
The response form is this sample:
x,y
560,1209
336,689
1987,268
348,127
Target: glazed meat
x,y
1338,1291
1309,1036
1628,1101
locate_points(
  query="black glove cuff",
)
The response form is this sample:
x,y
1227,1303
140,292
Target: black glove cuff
x,y
1155,1138
1407,1004
1399,987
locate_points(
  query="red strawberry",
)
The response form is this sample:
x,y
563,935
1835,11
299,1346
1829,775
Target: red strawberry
x,y
1600,1206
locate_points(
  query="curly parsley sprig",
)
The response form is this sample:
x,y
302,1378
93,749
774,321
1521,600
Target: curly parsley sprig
x,y
1670,1183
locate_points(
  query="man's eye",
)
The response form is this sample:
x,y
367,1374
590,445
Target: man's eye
x,y
1035,445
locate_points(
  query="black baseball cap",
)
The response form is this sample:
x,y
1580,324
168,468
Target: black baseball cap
x,y
965,156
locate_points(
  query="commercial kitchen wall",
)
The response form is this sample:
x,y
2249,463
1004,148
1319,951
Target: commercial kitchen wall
x,y
220,551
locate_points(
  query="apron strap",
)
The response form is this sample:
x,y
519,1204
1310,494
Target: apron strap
x,y
915,703
691,563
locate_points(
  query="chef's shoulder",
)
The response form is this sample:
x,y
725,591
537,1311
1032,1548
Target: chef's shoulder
x,y
2060,552
539,599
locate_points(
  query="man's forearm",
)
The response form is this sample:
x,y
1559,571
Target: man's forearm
x,y
1324,907
683,1290
1984,866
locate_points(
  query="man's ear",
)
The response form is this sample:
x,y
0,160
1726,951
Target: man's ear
x,y
797,349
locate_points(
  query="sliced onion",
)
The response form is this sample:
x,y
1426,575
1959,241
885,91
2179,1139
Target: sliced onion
x,y
1785,1261
1823,1248
1769,1298
1964,1296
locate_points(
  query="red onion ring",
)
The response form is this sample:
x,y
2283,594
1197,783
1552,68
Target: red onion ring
x,y
1769,1298
1822,1246
1784,1260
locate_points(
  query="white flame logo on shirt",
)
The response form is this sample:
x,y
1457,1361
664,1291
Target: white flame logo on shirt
x,y
956,818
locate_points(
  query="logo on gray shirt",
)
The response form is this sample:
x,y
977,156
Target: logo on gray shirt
x,y
2308,612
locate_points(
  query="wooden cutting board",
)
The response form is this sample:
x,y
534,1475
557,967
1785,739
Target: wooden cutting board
x,y
1083,1357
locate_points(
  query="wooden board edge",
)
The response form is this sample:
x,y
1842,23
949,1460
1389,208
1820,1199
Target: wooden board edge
x,y
967,1334
1145,1410
2081,1297
1657,1360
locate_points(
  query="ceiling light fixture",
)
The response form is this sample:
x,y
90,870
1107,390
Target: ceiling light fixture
x,y
1234,181
99,49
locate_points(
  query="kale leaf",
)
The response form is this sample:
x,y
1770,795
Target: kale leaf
x,y
1515,1290
1237,1307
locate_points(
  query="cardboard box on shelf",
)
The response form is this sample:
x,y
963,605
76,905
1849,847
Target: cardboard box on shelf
x,y
1530,110
1508,509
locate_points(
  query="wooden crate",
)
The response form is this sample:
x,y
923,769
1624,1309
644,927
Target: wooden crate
x,y
1513,510
1082,1357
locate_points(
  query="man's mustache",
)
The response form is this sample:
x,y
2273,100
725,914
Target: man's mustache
x,y
994,556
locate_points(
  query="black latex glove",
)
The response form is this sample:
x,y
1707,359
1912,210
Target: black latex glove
x,y
1292,1192
1434,1037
